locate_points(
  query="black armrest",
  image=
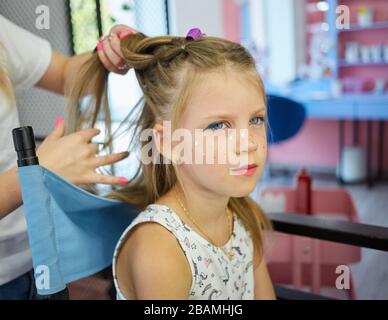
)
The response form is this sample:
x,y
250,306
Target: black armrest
x,y
357,234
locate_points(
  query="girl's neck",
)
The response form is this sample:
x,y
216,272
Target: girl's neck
x,y
208,209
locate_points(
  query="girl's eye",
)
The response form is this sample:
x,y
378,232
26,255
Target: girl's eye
x,y
257,120
216,126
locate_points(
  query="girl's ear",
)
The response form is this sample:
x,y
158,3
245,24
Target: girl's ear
x,y
162,140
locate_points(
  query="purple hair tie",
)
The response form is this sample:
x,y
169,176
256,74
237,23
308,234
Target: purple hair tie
x,y
194,34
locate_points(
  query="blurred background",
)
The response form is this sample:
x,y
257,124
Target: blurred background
x,y
325,68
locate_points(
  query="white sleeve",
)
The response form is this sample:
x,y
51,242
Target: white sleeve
x,y
28,56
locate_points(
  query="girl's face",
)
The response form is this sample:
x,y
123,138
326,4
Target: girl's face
x,y
226,119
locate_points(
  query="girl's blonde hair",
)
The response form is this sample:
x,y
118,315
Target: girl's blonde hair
x,y
5,82
166,67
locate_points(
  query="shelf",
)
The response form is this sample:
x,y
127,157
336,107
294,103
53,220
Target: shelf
x,y
374,26
343,63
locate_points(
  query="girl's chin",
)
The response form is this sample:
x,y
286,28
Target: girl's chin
x,y
242,190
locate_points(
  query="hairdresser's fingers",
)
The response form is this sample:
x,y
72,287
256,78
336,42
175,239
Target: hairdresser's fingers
x,y
126,33
87,134
115,45
58,131
93,148
104,59
112,56
109,159
112,180
121,30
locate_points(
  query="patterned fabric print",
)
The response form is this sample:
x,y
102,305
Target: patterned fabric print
x,y
215,277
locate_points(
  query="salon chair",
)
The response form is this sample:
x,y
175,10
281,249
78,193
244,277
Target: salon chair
x,y
72,233
285,119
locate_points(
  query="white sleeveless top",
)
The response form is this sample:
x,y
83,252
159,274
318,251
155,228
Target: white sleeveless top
x,y
214,275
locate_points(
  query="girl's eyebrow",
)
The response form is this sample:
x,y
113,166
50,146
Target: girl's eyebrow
x,y
228,116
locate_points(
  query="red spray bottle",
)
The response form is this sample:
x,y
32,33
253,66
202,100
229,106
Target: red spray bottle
x,y
304,192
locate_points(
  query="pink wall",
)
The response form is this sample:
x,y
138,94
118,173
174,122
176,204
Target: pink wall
x,y
317,144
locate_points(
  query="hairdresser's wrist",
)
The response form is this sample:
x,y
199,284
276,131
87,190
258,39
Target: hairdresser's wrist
x,y
10,196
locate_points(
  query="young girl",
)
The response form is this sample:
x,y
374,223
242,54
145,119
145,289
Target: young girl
x,y
198,235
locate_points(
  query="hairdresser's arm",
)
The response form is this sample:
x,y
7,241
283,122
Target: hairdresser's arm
x,y
62,69
263,285
10,197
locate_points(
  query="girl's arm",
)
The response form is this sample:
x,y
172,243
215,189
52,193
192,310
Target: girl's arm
x,y
263,285
152,265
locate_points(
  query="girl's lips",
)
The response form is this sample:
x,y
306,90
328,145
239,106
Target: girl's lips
x,y
248,170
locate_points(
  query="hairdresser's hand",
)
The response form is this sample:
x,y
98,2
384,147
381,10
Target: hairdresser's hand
x,y
109,50
73,157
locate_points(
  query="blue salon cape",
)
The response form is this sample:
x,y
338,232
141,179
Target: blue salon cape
x,y
72,233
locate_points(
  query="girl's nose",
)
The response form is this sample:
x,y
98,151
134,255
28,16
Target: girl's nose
x,y
246,141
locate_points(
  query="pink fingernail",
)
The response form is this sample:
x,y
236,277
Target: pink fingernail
x,y
123,181
122,35
58,121
99,46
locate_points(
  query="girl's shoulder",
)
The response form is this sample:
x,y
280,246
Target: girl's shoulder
x,y
163,224
161,214
147,250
